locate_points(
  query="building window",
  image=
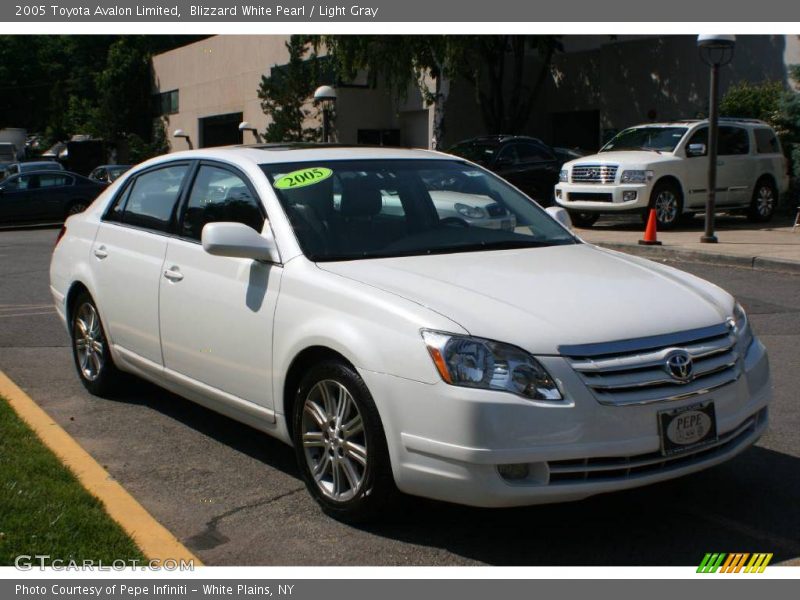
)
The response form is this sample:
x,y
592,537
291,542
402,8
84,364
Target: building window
x,y
166,103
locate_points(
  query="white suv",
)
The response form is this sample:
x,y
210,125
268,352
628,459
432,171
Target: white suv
x,y
665,166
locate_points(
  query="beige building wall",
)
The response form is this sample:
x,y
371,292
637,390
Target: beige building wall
x,y
215,76
221,75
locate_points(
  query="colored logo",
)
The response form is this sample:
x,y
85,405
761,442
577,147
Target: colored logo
x,y
679,366
736,562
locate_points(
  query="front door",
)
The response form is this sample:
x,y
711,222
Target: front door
x,y
216,312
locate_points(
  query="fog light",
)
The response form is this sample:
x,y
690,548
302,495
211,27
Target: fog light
x,y
628,196
558,194
514,472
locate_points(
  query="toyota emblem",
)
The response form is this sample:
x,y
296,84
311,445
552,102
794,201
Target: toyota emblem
x,y
679,366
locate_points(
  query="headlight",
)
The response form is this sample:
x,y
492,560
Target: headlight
x,y
563,176
484,364
741,328
636,176
472,212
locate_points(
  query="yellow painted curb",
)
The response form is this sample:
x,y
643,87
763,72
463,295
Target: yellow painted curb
x,y
154,540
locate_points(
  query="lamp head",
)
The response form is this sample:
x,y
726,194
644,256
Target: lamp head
x,y
324,92
716,42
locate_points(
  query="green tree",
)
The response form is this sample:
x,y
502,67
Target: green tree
x,y
496,68
286,95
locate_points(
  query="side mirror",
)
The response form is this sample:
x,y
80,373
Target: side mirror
x,y
693,150
560,215
239,241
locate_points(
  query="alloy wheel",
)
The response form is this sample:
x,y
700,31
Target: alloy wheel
x,y
765,201
666,206
89,344
334,440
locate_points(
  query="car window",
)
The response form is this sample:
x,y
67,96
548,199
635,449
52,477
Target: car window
x,y
528,153
732,140
54,180
361,209
219,195
508,155
22,182
699,137
151,198
766,141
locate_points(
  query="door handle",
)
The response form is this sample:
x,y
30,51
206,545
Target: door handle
x,y
173,274
100,252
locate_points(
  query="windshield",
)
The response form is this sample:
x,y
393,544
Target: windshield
x,y
345,210
657,139
478,151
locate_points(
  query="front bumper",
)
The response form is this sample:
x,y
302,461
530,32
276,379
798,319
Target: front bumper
x,y
447,442
602,197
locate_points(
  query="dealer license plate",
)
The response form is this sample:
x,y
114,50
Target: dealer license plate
x,y
687,428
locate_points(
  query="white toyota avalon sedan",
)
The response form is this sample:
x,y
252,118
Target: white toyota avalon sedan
x,y
316,294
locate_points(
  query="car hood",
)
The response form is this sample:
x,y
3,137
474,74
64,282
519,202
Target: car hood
x,y
624,157
541,298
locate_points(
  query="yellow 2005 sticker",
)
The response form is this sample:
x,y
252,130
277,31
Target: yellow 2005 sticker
x,y
302,178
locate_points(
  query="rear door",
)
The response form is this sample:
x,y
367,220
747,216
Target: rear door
x,y
217,312
55,193
128,258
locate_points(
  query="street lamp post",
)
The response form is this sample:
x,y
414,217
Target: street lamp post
x,y
715,51
245,126
325,95
180,133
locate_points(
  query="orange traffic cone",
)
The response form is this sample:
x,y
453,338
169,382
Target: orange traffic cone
x,y
650,231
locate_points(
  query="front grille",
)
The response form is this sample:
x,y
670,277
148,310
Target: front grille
x,y
635,371
590,197
496,210
594,173
628,467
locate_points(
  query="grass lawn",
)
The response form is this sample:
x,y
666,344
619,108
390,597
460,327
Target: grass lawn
x,y
43,507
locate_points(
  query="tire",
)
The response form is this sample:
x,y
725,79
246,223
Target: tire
x,y
75,207
90,351
353,481
763,203
667,199
583,219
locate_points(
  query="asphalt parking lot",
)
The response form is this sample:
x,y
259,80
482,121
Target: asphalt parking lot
x,y
234,496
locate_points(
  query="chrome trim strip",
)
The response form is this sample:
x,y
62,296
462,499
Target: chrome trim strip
x,y
673,397
645,343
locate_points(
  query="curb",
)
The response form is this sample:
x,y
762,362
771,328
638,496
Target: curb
x,y
152,538
751,262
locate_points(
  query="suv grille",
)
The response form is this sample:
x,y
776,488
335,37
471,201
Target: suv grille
x,y
636,371
594,173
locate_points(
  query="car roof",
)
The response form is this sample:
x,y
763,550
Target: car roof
x,y
297,152
688,122
49,172
501,139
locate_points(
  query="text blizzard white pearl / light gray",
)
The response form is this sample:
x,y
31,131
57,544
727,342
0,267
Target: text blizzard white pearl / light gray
x,y
199,10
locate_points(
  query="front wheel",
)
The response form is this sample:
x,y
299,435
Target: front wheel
x,y
667,200
90,348
340,444
762,206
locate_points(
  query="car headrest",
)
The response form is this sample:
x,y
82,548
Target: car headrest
x,y
360,198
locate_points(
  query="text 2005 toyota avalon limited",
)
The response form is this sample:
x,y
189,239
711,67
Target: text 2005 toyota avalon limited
x,y
484,356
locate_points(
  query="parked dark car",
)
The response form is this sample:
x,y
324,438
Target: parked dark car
x,y
526,162
45,196
108,173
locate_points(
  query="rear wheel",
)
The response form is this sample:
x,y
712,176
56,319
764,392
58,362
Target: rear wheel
x,y
90,350
765,199
583,219
667,200
340,444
